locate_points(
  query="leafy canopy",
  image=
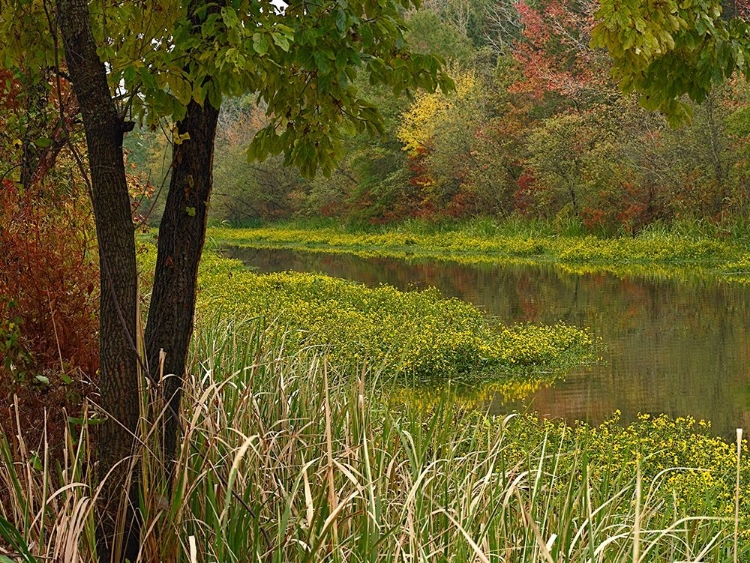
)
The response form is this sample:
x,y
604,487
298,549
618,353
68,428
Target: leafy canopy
x,y
668,48
301,60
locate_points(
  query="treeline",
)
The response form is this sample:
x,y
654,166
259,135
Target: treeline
x,y
535,128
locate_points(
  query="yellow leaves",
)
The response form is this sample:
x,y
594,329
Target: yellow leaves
x,y
428,109
178,138
418,123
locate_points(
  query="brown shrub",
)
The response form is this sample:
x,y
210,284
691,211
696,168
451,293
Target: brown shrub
x,y
49,351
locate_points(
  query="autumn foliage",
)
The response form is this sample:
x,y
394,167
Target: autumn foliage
x,y
536,128
48,263
49,277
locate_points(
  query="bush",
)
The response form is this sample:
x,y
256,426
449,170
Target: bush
x,y
48,301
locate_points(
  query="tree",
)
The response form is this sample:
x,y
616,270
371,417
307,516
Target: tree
x,y
437,133
669,49
151,60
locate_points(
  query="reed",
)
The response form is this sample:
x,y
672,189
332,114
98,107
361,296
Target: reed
x,y
286,457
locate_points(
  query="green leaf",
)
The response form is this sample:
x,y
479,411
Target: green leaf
x,y
43,142
260,44
342,20
14,538
179,88
281,41
321,61
42,379
36,463
190,211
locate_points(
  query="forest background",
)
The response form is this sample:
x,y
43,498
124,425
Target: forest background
x,y
536,128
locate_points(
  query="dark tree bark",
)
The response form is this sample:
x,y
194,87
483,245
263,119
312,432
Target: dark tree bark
x,y
182,233
118,379
170,318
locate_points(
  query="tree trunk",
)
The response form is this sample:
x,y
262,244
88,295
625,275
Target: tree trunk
x,y
118,377
182,233
170,319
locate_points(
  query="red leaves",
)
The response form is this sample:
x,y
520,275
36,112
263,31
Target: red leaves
x,y
49,271
554,55
48,284
523,197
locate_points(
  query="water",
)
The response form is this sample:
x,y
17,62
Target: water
x,y
680,348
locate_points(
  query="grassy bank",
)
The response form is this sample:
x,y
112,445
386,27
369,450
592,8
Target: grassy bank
x,y
285,457
678,252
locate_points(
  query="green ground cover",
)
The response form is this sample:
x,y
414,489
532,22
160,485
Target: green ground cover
x,y
416,334
672,254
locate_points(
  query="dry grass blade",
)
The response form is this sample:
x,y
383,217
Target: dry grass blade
x,y
529,521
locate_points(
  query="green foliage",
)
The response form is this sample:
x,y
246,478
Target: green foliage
x,y
429,33
23,24
302,62
544,126
670,49
558,150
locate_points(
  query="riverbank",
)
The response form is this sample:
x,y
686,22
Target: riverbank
x,y
672,254
291,453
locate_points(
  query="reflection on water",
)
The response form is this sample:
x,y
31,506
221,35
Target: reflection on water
x,y
673,347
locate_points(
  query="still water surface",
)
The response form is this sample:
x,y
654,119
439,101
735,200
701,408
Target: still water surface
x,y
681,348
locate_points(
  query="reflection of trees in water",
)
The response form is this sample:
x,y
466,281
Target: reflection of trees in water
x,y
674,347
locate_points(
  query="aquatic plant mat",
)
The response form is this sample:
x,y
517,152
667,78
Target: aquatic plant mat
x,y
418,335
653,253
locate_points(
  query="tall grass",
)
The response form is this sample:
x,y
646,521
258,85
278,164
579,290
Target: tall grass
x,y
284,458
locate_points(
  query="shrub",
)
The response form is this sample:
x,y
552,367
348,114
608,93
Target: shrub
x,y
48,301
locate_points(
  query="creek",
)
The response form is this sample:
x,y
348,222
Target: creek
x,y
676,347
